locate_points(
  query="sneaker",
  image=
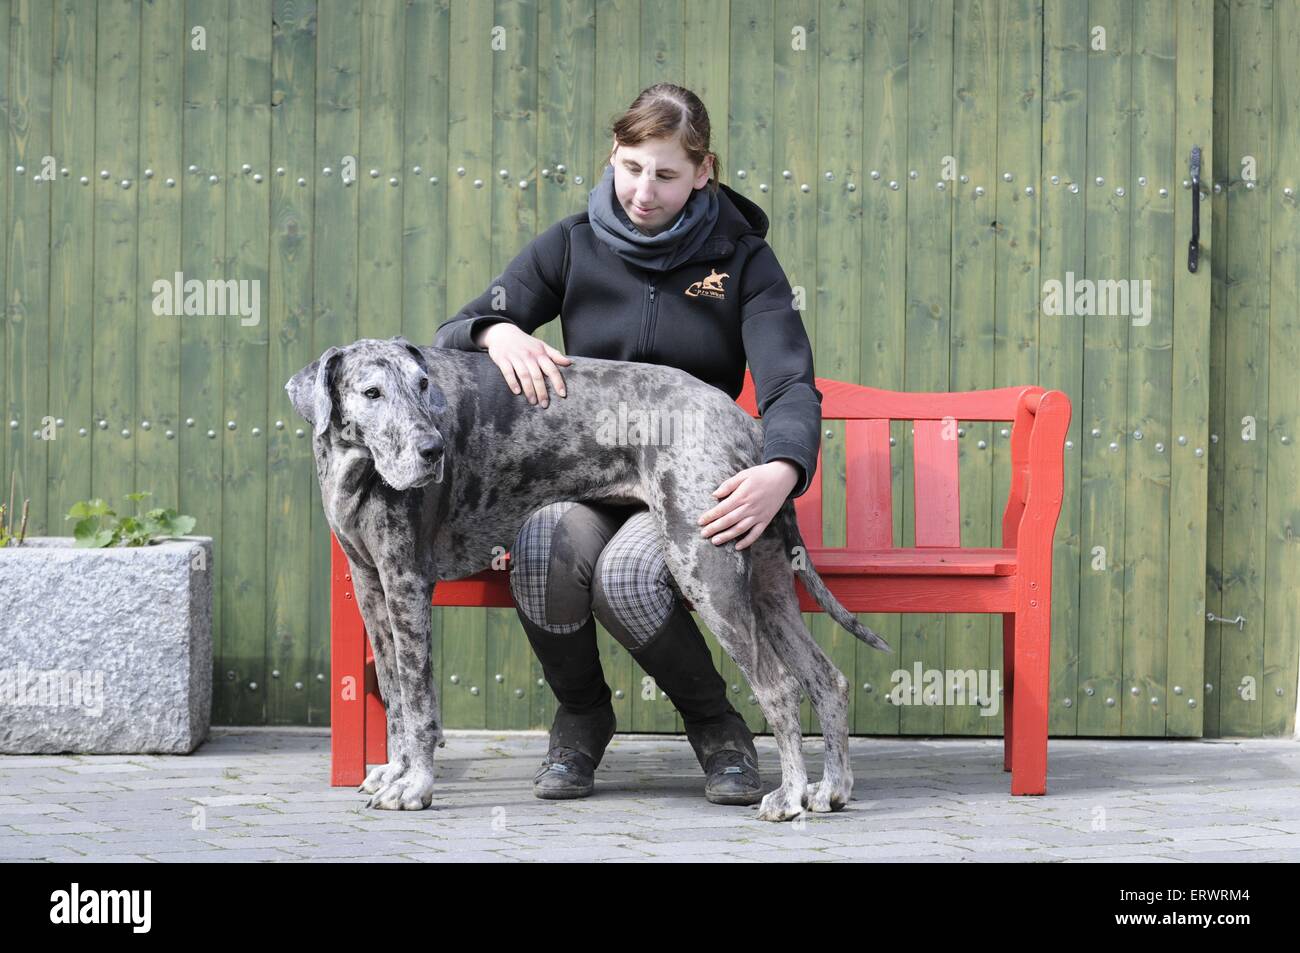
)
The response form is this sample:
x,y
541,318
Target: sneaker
x,y
566,773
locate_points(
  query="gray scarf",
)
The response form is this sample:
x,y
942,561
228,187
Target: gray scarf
x,y
661,252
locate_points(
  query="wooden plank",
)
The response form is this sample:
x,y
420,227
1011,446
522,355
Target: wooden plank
x,y
72,290
1153,248
1250,218
567,135
746,141
158,336
114,365
9,398
1060,357
1105,367
424,232
203,247
334,288
290,470
1188,528
515,223
287,305
469,219
967,637
836,274
1282,581
28,263
1223,165
244,483
928,315
381,177
887,69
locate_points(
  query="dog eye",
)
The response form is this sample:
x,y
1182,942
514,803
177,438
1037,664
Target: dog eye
x,y
424,384
372,393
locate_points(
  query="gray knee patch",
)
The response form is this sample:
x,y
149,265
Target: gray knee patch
x,y
632,592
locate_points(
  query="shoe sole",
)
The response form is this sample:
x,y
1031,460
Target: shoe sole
x,y
559,795
741,799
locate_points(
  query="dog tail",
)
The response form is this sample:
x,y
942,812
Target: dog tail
x,y
795,548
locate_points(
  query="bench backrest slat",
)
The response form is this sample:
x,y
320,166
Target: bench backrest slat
x,y
934,461
869,525
867,412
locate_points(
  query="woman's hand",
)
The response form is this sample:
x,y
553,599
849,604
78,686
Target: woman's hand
x,y
524,360
750,499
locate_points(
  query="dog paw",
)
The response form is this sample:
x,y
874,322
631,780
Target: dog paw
x,y
824,797
382,776
413,791
781,805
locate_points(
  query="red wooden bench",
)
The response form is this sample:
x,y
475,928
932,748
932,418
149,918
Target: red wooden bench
x,y
869,574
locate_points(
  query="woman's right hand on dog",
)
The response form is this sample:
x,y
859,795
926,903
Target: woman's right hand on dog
x,y
525,361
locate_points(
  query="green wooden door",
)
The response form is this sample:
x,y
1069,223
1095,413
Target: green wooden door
x,y
928,168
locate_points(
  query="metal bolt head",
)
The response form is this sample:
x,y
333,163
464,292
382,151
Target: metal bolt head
x,y
785,173
103,425
1005,432
275,673
831,175
875,173
1178,689
455,679
499,677
214,178
618,693
852,187
103,173
1056,180
1114,446
893,184
473,690
1110,703
212,434
912,174
1069,445
939,185
1007,176
301,180
1074,187
246,167
1029,190
982,444
561,167
460,170
1068,703
1142,180
230,425
963,178
805,188
1198,452
1182,440
1096,432
1120,191
1164,193
478,183
1137,434
297,686
1099,180
257,177
327,171
84,180
1250,186
252,686
979,190
577,180
374,173
1160,448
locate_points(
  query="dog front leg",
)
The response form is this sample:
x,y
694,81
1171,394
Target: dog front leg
x,y
408,599
374,610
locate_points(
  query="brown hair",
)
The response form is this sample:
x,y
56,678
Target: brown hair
x,y
665,111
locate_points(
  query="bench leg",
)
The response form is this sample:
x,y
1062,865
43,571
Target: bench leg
x,y
1008,685
348,647
1027,691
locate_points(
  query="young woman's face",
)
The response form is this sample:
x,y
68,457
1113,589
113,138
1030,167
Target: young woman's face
x,y
654,180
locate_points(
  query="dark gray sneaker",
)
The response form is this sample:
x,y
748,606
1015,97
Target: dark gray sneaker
x,y
732,778
566,773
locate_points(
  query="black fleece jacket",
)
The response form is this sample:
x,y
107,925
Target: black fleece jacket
x,y
730,303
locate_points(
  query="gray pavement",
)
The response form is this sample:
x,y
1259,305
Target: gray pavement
x,y
257,794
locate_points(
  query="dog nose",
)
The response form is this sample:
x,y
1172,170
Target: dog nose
x,y
431,450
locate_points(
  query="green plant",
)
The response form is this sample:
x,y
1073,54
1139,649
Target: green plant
x,y
7,536
98,525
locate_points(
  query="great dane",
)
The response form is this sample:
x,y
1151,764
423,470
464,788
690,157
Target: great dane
x,y
429,465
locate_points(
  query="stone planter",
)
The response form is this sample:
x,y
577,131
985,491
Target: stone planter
x,y
105,650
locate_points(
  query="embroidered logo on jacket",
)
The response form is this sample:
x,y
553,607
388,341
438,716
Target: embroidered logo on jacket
x,y
710,287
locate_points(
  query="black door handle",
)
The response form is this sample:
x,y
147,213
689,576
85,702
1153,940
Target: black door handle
x,y
1194,246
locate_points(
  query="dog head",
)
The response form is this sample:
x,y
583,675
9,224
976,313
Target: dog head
x,y
377,395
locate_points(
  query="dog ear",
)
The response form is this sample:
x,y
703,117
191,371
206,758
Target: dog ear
x,y
415,352
309,390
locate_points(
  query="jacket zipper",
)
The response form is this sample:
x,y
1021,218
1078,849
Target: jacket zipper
x,y
647,327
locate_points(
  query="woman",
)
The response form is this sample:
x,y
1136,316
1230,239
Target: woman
x,y
666,266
